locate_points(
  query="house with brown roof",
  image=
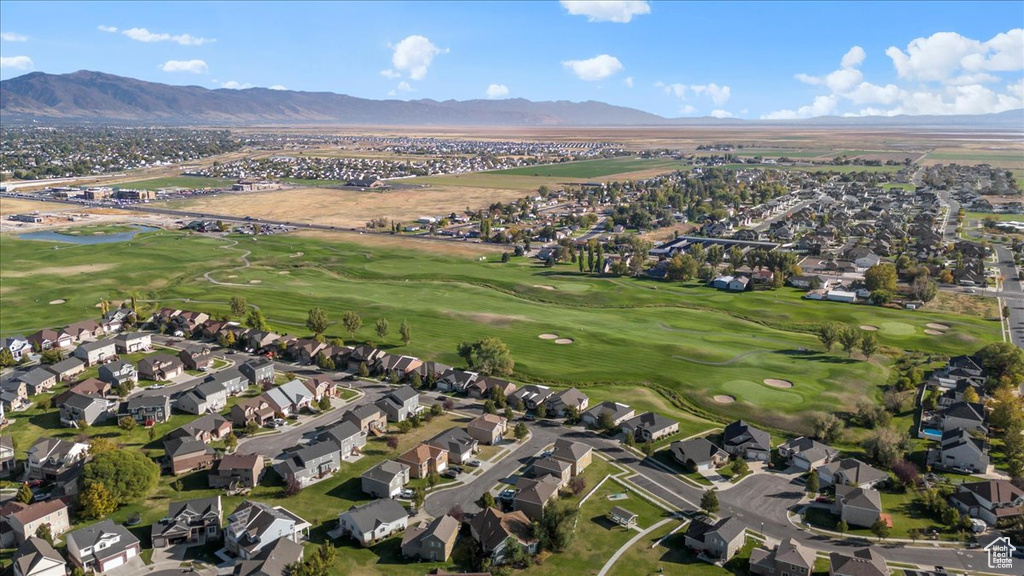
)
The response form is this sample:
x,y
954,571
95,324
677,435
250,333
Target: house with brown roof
x,y
533,494
549,466
47,339
488,429
25,519
424,459
184,454
196,356
36,557
495,531
247,410
160,367
789,558
575,453
84,330
863,562
432,542
237,472
368,417
989,500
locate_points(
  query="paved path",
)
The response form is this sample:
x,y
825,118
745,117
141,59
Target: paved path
x,y
622,550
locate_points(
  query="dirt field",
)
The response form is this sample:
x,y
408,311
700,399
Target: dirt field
x,y
345,208
10,206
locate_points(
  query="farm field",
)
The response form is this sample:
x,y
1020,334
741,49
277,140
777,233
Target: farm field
x,y
681,338
177,182
592,168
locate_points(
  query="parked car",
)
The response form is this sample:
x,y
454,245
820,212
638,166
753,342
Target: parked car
x,y
450,473
155,387
405,493
473,463
507,495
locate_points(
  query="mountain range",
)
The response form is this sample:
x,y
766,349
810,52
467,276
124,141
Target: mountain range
x,y
86,96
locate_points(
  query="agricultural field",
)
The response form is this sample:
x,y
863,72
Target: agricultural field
x,y
190,182
712,350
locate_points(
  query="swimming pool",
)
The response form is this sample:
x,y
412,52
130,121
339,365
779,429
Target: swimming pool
x,y
932,432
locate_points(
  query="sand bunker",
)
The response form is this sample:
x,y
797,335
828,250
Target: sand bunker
x,y
58,301
935,326
255,281
233,276
284,272
563,341
296,255
868,328
931,332
544,286
723,399
548,336
775,383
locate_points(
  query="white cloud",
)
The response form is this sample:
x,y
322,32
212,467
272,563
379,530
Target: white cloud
x,y
944,54
16,63
628,81
497,91
193,66
1017,89
13,37
232,85
111,29
722,114
404,86
143,35
390,74
978,78
853,58
823,105
808,79
688,109
718,94
678,90
621,11
413,55
277,87
596,68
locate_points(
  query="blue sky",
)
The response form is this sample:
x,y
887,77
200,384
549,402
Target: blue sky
x,y
746,59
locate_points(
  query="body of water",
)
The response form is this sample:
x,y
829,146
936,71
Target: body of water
x,y
52,236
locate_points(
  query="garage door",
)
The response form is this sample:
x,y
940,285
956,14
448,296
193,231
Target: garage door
x,y
113,563
129,553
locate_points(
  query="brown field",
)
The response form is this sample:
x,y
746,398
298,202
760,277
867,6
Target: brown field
x,y
347,208
957,303
10,206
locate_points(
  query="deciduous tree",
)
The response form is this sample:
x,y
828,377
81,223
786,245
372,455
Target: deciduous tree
x,y
352,322
238,306
317,320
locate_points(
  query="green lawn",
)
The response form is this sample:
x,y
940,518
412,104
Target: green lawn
x,y
905,511
96,230
190,182
592,168
671,558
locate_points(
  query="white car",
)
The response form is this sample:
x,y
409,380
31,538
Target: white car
x,y
155,387
405,493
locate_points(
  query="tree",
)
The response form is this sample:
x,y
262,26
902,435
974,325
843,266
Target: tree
x,y
827,428
488,355
557,526
25,495
914,534
881,276
925,289
486,501
828,334
881,297
887,446
405,331
45,532
629,440
352,322
51,356
437,409
740,467
391,442
906,473
382,328
681,267
97,502
317,320
433,479
971,395
127,423
541,411
238,306
868,344
256,320
520,431
849,339
946,277
605,421
709,502
292,487
324,403
6,358
813,483
842,526
418,496
648,448
489,407
577,485
881,529
125,474
1004,362
231,442
251,427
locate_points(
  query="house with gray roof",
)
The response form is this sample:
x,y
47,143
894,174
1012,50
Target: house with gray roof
x,y
254,526
196,356
160,367
132,342
309,464
149,410
93,353
575,453
190,523
532,395
78,408
459,444
67,369
385,480
788,558
858,506
863,562
348,437
374,521
233,380
650,427
368,417
745,441
400,403
36,380
495,531
102,546
204,398
698,454
433,542
274,560
851,472
119,372
619,413
718,540
533,494
290,398
959,450
36,557
258,371
807,453
966,415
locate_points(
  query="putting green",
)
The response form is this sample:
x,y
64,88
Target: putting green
x,y
898,328
761,394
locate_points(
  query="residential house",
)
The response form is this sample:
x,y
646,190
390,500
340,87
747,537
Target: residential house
x,y
207,397
454,380
966,415
484,387
374,521
80,408
49,458
97,352
850,472
20,348
495,531
115,319
432,371
368,417
160,367
806,453
745,441
858,506
788,558
290,398
989,500
698,454
149,410
184,454
488,428
348,437
14,395
738,284
433,542
36,557
232,379
84,330
424,459
619,413
273,560
190,523
533,494
650,427
309,464
132,342
37,380
385,480
119,372
399,404
959,450
459,444
88,387
548,466
575,453
247,410
717,540
259,371
47,339
67,369
402,366
863,562
25,519
237,472
258,340
532,395
196,357
254,526
102,546
7,460
322,387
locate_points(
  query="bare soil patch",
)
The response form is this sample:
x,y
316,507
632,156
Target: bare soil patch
x,y
564,341
937,326
296,255
255,281
58,301
868,328
931,332
10,206
776,383
544,286
724,399
59,270
548,336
